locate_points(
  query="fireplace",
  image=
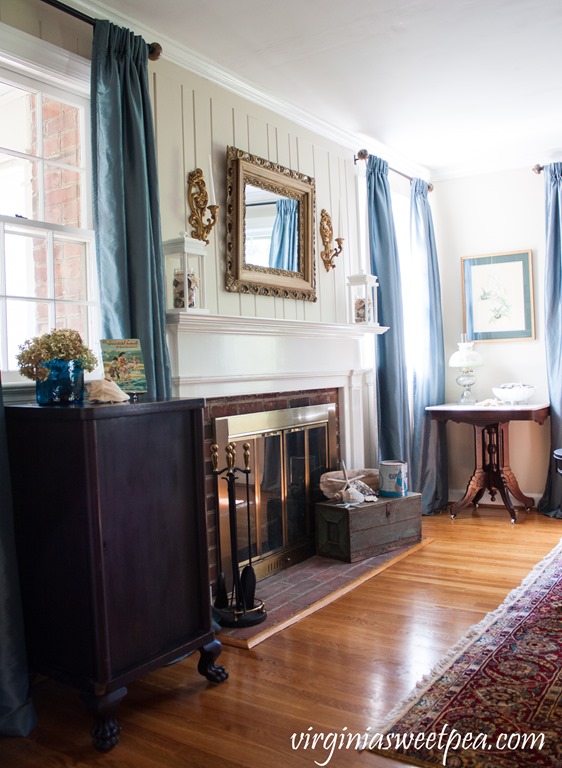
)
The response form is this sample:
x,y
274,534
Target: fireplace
x,y
289,450
242,364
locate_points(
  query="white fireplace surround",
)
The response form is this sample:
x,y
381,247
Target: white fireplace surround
x,y
225,356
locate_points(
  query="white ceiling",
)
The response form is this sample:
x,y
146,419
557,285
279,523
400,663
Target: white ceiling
x,y
453,86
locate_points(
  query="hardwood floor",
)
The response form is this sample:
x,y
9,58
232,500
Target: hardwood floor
x,y
344,667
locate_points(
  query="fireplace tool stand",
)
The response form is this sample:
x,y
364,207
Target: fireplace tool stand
x,y
242,609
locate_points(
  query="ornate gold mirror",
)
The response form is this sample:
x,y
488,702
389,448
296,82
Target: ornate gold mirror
x,y
269,228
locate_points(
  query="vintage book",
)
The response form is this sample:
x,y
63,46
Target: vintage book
x,y
123,363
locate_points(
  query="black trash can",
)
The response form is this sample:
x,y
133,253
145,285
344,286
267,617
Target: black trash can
x,y
558,458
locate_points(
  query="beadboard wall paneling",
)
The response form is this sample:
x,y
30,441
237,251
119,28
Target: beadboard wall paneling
x,y
196,120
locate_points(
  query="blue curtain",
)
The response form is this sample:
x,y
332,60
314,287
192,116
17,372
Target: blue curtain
x,y
428,469
551,502
284,249
125,198
17,716
392,382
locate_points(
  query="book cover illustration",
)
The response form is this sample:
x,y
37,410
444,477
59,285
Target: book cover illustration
x,y
123,363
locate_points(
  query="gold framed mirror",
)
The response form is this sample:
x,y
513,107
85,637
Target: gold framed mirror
x,y
269,228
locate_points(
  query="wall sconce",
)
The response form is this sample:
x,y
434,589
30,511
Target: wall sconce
x,y
326,233
198,200
466,358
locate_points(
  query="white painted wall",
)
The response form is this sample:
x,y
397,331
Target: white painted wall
x,y
474,216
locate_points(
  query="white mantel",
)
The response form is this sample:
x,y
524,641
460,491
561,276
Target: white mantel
x,y
226,356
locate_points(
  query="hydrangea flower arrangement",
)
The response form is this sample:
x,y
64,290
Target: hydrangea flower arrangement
x,y
61,344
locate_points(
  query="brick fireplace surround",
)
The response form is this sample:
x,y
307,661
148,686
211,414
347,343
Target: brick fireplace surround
x,y
230,406
242,364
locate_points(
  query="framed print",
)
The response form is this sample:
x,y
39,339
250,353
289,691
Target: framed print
x,y
498,296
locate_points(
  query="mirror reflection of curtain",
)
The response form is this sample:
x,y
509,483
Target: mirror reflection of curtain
x,y
284,251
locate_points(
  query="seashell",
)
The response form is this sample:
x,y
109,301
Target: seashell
x,y
350,495
105,391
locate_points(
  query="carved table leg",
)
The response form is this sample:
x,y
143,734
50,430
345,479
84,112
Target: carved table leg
x,y
105,733
207,667
497,481
474,491
479,480
508,478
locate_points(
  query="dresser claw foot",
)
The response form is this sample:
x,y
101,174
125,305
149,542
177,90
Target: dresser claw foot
x,y
214,673
105,733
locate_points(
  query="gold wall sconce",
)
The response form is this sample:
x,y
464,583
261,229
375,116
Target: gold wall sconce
x,y
327,234
198,199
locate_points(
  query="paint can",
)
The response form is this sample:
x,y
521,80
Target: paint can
x,y
393,477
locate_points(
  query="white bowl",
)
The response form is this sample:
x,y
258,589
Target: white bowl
x,y
514,392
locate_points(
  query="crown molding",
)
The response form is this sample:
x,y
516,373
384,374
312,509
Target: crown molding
x,y
184,57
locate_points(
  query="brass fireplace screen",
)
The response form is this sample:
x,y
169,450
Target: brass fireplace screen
x,y
289,450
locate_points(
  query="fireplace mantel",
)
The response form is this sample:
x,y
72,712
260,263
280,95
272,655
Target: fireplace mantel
x,y
189,322
228,356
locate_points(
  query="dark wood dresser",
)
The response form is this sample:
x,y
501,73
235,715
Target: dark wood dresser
x,y
109,505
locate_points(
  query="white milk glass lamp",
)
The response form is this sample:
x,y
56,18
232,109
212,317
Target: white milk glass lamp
x,y
467,359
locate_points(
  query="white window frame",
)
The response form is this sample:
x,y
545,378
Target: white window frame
x,y
60,74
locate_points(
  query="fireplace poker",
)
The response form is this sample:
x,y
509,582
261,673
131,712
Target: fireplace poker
x,y
231,479
221,596
248,577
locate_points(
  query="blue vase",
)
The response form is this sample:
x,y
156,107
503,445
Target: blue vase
x,y
64,385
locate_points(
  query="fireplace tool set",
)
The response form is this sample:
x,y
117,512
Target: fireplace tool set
x,y
241,608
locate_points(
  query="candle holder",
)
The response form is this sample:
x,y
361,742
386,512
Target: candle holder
x,y
198,200
327,234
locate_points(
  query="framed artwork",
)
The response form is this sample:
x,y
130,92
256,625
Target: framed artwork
x,y
498,296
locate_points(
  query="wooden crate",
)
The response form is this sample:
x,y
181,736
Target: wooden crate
x,y
354,533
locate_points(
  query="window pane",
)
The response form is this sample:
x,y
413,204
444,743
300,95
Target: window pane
x,y
72,316
70,270
25,320
26,266
61,132
18,196
17,126
62,196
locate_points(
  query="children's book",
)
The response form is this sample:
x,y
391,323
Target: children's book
x,y
123,364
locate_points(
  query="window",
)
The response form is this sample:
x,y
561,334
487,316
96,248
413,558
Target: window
x,y
47,269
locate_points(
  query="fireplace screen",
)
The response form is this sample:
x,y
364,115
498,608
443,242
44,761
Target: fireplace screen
x,y
289,450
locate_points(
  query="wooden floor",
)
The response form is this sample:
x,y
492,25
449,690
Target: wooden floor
x,y
344,667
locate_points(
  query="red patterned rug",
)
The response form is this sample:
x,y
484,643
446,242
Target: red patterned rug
x,y
495,701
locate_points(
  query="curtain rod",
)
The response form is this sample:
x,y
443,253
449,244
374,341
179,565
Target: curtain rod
x,y
364,155
154,49
537,168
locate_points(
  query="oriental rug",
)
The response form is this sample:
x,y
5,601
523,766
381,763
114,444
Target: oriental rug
x,y
495,701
